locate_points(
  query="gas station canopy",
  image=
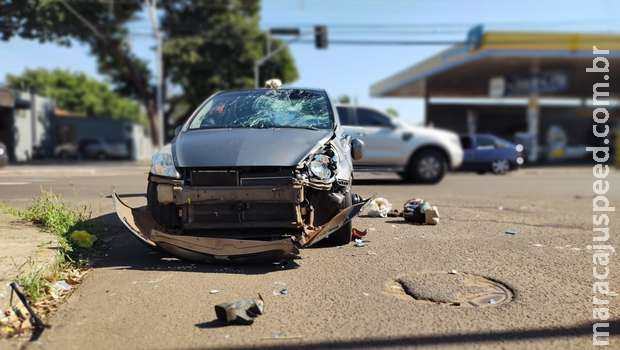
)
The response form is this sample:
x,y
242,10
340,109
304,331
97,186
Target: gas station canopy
x,y
507,64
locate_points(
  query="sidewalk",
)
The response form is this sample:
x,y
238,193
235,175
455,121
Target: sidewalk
x,y
25,247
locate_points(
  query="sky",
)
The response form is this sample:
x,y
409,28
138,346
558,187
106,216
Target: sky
x,y
350,70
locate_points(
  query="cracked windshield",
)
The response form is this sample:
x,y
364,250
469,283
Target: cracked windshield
x,y
265,109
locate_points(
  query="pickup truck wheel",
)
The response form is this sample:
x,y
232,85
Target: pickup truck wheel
x,y
428,167
164,215
342,236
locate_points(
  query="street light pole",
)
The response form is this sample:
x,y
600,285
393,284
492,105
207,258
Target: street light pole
x,y
267,57
152,6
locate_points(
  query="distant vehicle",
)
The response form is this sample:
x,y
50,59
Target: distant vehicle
x,y
4,156
417,154
92,149
489,153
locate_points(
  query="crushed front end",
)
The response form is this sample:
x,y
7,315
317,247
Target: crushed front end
x,y
249,210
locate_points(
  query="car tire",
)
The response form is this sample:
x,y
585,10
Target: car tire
x,y
500,167
165,215
427,167
342,236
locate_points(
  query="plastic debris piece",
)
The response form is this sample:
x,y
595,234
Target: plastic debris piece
x,y
83,239
372,253
359,242
511,231
419,211
280,289
242,311
61,285
379,208
453,272
355,233
492,301
214,291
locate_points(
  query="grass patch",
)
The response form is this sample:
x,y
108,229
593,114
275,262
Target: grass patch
x,y
49,211
71,228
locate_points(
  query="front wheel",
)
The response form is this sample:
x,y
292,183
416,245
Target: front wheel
x,y
428,167
342,236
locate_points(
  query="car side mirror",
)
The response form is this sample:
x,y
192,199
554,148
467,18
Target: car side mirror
x,y
177,130
357,149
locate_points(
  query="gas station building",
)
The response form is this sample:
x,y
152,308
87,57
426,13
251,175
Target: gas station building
x,y
528,87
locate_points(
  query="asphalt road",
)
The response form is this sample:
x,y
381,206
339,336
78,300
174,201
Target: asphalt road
x,y
344,297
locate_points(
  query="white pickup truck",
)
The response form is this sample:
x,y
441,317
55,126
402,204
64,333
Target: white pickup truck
x,y
417,154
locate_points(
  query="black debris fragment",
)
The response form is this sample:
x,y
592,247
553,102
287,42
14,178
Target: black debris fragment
x,y
242,311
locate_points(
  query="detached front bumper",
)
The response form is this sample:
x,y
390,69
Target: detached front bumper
x,y
197,205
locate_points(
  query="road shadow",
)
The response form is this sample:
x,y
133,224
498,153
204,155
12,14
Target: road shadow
x,y
119,249
459,339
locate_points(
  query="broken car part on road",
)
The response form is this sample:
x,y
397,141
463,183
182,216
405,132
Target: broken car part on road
x,y
242,311
276,176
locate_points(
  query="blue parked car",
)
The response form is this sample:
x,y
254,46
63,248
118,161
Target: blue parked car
x,y
486,152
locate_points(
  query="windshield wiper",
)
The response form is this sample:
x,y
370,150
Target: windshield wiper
x,y
298,127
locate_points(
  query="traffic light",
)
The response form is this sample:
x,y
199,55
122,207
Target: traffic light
x,y
320,37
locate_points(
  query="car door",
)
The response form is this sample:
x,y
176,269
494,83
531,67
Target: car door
x,y
469,151
486,149
383,143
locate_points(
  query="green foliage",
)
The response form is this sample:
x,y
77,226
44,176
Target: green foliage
x,y
392,111
209,45
212,45
344,99
77,93
49,211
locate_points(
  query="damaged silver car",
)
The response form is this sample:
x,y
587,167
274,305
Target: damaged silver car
x,y
252,172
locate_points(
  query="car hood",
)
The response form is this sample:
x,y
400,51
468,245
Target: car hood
x,y
246,147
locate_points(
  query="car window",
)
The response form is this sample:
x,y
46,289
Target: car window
x,y
367,117
346,116
485,142
284,108
466,142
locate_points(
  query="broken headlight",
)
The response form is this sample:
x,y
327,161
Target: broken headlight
x,y
162,163
323,165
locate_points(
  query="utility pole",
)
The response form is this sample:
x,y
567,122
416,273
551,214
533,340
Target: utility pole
x,y
152,7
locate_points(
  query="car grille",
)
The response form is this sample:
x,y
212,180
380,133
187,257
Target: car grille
x,y
261,176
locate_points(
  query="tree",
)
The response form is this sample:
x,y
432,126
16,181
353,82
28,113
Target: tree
x,y
208,44
392,111
77,93
344,99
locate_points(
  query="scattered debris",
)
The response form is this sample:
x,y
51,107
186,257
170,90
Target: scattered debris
x,y
359,242
500,208
492,301
511,231
379,207
453,272
357,234
280,289
372,253
83,239
214,291
242,311
394,213
419,211
62,285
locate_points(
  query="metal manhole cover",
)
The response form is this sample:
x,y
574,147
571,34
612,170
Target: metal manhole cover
x,y
457,289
